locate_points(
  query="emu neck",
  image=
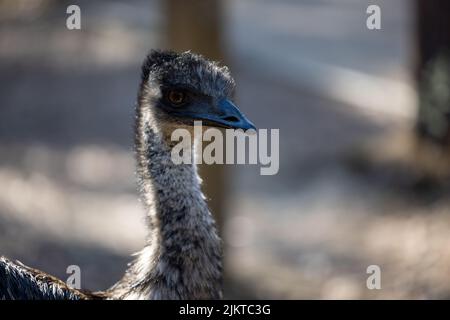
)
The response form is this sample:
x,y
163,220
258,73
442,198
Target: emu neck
x,y
182,259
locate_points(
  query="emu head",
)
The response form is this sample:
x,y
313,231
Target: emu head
x,y
180,88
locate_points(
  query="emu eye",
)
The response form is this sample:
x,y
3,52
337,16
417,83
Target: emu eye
x,y
176,97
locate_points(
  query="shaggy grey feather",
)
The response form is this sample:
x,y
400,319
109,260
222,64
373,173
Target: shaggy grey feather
x,y
19,282
182,258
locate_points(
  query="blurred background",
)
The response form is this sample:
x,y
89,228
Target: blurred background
x,y
364,140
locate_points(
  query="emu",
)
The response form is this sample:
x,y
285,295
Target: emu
x,y
182,256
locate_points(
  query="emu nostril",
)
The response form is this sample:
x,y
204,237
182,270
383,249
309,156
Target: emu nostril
x,y
231,119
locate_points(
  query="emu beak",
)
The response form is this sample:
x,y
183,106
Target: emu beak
x,y
229,116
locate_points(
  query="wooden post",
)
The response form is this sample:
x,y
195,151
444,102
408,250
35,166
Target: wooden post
x,y
433,70
196,25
